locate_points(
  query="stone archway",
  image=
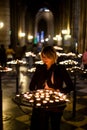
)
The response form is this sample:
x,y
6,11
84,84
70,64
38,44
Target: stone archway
x,y
47,16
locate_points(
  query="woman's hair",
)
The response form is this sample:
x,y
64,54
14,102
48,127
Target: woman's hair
x,y
49,51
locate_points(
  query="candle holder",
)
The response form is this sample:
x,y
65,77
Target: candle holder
x,y
42,98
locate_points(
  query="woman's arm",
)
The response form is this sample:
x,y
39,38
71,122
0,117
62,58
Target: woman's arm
x,y
68,81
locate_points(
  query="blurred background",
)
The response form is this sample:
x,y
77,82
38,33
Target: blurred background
x,y
30,22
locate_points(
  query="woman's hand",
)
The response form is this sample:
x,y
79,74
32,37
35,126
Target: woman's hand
x,y
46,87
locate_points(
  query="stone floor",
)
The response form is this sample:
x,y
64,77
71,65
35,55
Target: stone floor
x,y
16,117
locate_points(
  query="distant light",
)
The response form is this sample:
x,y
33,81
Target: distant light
x,y
42,40
64,31
30,37
21,34
57,38
1,24
44,9
66,37
46,39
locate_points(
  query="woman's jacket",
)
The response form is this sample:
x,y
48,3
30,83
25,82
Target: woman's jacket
x,y
61,78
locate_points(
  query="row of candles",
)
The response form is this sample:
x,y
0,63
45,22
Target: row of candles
x,y
5,69
42,98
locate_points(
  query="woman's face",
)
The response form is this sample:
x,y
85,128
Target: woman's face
x,y
48,61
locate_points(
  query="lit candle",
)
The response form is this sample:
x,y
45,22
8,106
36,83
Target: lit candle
x,y
28,97
61,99
56,97
37,95
41,96
64,97
51,101
17,95
38,104
56,100
50,92
47,95
44,101
31,100
25,95
67,100
60,94
38,99
47,98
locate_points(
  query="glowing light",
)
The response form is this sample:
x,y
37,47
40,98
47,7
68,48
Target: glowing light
x,y
1,25
67,37
21,34
64,31
30,37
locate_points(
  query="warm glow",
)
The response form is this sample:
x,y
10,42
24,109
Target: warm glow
x,y
46,10
46,39
57,38
67,37
30,37
1,25
21,34
64,31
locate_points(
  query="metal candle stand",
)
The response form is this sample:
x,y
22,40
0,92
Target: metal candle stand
x,y
75,71
17,78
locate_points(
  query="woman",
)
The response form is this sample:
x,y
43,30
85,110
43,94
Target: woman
x,y
49,76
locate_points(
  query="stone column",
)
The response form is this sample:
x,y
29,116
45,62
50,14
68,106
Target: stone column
x,y
75,22
5,19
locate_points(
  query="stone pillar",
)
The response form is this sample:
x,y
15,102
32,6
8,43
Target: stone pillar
x,y
21,25
75,22
5,18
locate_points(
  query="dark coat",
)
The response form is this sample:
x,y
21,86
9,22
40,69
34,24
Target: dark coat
x,y
61,76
